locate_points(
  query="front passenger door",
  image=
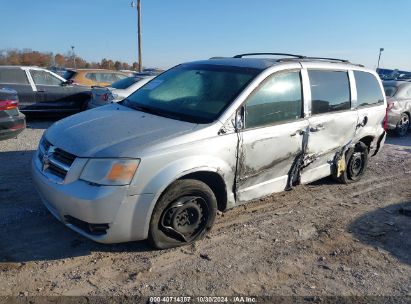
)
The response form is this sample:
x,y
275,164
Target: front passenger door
x,y
272,137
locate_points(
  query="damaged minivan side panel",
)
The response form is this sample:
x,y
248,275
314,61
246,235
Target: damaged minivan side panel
x,y
272,138
370,105
276,155
332,123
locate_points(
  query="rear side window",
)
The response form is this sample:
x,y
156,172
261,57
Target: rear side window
x,y
279,99
330,91
16,76
368,89
91,76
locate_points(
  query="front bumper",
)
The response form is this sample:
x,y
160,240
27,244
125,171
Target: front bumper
x,y
127,216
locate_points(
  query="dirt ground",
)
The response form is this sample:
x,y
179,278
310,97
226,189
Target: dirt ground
x,y
316,240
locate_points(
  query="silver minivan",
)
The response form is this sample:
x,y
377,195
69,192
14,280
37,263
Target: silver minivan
x,y
207,136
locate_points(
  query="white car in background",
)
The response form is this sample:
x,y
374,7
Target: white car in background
x,y
117,91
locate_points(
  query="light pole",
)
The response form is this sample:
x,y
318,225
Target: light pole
x,y
138,6
74,56
379,57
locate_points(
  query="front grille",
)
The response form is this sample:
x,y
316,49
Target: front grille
x,y
54,161
64,157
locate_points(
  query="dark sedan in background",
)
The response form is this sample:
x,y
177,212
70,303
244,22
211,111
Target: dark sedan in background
x,y
40,90
12,122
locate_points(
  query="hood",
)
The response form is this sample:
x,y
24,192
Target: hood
x,y
113,131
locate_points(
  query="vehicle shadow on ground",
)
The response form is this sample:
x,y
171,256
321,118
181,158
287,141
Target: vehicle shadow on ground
x,y
387,228
28,232
41,237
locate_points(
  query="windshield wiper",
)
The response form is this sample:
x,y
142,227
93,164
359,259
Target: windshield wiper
x,y
149,110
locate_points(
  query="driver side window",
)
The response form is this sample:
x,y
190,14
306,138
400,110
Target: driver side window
x,y
278,99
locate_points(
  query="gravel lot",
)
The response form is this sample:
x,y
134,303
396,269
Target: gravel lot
x,y
319,239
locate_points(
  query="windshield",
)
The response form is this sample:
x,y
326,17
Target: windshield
x,y
390,90
196,93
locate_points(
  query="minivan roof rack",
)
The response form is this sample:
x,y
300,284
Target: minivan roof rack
x,y
327,58
292,55
276,54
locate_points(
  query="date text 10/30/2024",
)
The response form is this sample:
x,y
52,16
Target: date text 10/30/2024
x,y
206,299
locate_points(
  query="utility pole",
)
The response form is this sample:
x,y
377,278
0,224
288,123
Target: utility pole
x,y
74,56
140,60
379,57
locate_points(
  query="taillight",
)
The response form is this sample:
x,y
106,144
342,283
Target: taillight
x,y
390,105
8,104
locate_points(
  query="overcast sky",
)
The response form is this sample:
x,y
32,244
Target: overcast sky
x,y
175,31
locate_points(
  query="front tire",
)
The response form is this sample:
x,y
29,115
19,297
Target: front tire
x,y
184,213
356,164
403,125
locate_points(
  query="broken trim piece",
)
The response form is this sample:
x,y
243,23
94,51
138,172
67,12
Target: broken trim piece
x,y
294,175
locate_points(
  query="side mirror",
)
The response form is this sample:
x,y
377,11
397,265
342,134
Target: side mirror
x,y
68,82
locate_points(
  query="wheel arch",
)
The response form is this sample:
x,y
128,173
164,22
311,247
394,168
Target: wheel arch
x,y
367,140
216,183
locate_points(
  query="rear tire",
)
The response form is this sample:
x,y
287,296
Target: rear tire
x,y
184,213
356,164
403,125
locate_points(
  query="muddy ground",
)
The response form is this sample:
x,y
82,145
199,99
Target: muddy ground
x,y
320,239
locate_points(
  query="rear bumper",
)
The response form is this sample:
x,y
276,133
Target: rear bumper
x,y
393,118
11,126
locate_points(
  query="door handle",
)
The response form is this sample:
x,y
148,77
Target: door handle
x,y
317,128
41,91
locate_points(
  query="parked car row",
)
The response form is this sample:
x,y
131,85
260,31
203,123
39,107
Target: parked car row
x,y
208,135
40,90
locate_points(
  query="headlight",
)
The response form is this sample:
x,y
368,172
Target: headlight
x,y
113,172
